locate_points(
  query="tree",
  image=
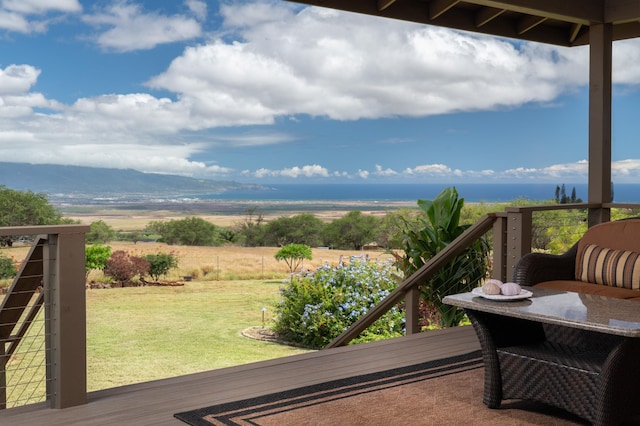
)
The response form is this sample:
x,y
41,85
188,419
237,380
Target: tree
x,y
561,196
20,208
99,232
252,228
191,231
303,228
160,264
96,257
352,231
294,255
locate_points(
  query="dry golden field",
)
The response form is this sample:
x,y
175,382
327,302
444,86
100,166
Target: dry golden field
x,y
232,262
218,263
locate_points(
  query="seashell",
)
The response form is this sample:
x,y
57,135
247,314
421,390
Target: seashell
x,y
491,288
493,280
510,289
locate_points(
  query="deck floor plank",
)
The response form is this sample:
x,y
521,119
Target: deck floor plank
x,y
154,403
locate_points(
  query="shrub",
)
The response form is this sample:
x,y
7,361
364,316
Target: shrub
x,y
318,307
160,264
122,267
7,268
96,257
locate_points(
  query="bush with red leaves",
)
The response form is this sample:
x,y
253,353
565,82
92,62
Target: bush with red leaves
x,y
122,267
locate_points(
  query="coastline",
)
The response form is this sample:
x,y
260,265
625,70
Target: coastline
x,y
135,216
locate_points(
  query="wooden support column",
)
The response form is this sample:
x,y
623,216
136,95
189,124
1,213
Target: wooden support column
x,y
600,86
499,269
412,311
518,238
65,316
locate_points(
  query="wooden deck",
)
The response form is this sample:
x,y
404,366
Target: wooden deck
x,y
154,403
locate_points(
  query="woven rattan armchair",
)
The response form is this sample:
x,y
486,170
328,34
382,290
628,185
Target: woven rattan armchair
x,y
535,268
605,261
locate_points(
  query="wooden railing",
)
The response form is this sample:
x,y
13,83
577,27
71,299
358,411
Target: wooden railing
x,y
512,230
56,266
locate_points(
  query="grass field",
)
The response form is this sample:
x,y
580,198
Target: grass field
x,y
137,334
145,333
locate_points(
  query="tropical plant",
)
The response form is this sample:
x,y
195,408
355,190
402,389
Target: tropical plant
x,y
317,308
293,255
440,228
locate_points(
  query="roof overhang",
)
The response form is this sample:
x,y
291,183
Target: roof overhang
x,y
558,22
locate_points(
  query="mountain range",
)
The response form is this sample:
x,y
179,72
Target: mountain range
x,y
56,180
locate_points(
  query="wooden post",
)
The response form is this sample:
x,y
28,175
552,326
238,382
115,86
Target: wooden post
x,y
600,65
65,319
412,311
499,267
3,376
518,238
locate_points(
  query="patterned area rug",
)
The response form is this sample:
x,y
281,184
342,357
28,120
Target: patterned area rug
x,y
442,392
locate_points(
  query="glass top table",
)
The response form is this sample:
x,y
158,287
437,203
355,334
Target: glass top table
x,y
585,311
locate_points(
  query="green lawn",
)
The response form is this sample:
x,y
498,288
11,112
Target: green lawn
x,y
145,333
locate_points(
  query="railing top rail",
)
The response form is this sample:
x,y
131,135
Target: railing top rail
x,y
543,207
44,229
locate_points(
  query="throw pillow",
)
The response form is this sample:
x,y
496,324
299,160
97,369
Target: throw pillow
x,y
605,266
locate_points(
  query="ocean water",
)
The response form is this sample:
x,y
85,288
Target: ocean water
x,y
629,193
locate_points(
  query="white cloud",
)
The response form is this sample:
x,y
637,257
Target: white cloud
x,y
429,169
287,61
16,79
364,174
308,171
384,172
198,8
41,6
131,28
18,15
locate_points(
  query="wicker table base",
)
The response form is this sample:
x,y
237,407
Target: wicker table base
x,y
593,375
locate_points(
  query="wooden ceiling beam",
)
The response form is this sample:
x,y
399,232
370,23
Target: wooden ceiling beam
x,y
487,14
621,11
529,22
383,4
579,12
575,30
439,7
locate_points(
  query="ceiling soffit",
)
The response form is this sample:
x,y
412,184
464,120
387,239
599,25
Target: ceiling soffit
x,y
563,23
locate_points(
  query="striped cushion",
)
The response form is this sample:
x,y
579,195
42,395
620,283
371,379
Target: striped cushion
x,y
615,268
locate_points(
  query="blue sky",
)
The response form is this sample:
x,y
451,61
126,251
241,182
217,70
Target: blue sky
x,y
276,92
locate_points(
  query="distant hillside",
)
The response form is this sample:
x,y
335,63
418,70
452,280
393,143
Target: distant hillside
x,y
70,180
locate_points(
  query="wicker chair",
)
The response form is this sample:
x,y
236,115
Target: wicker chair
x,y
567,271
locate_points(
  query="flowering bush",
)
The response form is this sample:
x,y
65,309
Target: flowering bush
x,y
315,308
